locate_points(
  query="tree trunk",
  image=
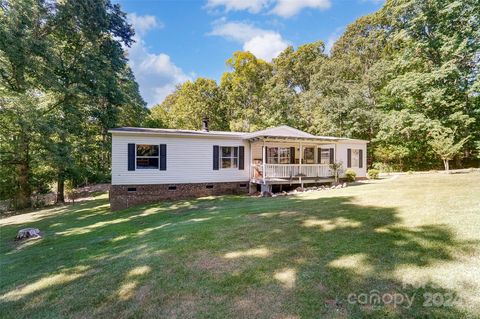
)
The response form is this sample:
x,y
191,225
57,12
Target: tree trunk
x,y
447,166
24,191
61,168
60,189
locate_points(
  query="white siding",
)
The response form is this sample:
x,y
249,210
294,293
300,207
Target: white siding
x,y
341,156
189,160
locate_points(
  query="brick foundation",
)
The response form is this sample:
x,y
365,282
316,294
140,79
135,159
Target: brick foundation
x,y
124,196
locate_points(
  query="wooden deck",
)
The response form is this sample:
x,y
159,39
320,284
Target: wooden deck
x,y
291,174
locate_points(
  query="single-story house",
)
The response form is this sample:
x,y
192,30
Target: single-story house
x,y
150,164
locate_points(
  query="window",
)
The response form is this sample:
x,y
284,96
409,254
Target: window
x,y
209,186
309,155
147,156
132,189
229,157
278,155
243,185
325,156
355,157
172,188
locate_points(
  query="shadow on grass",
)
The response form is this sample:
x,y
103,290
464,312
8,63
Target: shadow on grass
x,y
221,257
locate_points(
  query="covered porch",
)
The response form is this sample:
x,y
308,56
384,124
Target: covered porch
x,y
291,160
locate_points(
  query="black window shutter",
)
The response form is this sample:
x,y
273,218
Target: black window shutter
x,y
332,155
266,155
360,158
241,157
292,155
163,157
131,156
349,157
216,156
319,155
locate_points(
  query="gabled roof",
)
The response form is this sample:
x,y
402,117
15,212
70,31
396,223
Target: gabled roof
x,y
279,131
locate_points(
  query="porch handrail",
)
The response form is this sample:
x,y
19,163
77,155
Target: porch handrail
x,y
291,170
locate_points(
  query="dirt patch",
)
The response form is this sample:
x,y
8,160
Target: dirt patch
x,y
181,306
206,262
264,303
143,294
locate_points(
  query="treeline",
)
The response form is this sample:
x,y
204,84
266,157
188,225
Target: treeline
x,y
407,78
64,82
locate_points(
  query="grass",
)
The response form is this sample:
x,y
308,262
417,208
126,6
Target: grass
x,y
300,256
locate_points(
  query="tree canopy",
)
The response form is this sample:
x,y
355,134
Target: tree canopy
x,y
392,78
64,83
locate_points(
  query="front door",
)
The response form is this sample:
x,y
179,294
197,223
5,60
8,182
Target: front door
x,y
309,155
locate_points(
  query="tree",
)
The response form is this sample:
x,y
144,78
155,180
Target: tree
x,y
244,91
189,103
435,49
477,149
63,83
24,51
443,144
291,79
87,58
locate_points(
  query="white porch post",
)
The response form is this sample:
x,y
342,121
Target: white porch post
x,y
264,156
335,152
300,164
300,158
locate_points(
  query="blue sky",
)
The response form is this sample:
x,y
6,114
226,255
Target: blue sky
x,y
178,41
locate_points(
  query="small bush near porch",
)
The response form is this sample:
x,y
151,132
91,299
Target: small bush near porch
x,y
311,255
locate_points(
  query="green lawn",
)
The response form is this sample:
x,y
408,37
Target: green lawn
x,y
300,256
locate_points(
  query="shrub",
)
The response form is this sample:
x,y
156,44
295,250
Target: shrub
x,y
387,168
70,191
336,167
350,175
373,173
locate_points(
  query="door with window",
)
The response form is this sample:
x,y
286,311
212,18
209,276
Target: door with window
x,y
309,155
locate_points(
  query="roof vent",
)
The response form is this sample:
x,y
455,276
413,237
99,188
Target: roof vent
x,y
205,124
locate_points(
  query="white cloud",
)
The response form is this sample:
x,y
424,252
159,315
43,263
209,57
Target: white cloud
x,y
289,8
283,8
267,46
264,44
253,6
156,74
142,24
236,31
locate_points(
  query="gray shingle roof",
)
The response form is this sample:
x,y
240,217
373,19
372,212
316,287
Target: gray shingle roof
x,y
174,131
278,132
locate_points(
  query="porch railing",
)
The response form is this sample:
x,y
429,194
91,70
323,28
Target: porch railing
x,y
291,170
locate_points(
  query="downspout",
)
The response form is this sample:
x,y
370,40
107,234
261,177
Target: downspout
x,y
335,161
250,162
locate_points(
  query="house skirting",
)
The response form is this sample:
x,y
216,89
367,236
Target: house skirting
x,y
124,196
